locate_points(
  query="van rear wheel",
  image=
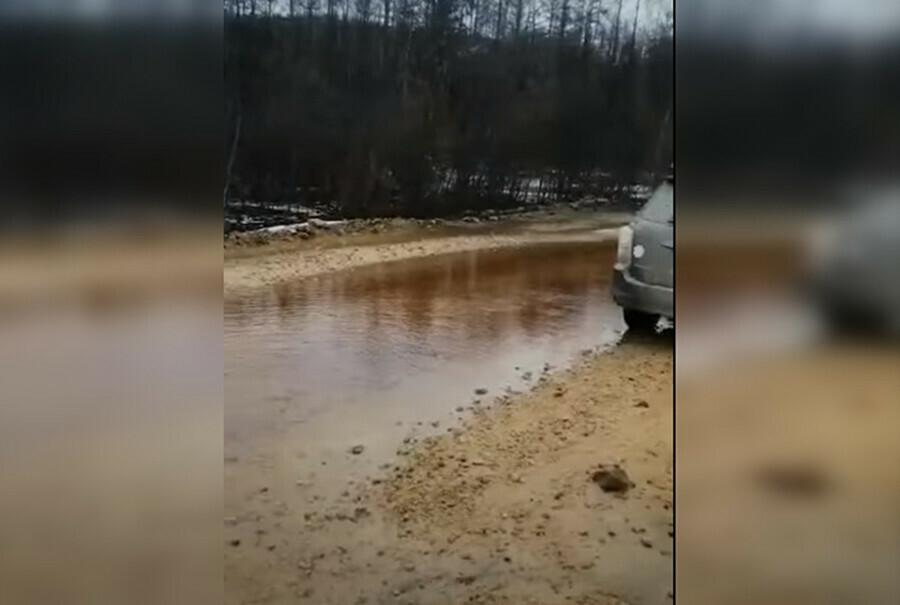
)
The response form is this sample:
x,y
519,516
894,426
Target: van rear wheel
x,y
638,321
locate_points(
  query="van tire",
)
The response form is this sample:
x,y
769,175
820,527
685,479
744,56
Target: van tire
x,y
638,321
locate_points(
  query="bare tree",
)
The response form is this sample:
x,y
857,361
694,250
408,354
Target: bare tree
x,y
518,16
401,107
616,31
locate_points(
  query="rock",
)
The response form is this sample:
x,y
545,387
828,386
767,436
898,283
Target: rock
x,y
235,542
612,479
409,567
481,391
436,423
796,481
460,408
646,543
356,450
642,404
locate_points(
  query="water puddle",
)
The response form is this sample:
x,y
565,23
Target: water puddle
x,y
372,356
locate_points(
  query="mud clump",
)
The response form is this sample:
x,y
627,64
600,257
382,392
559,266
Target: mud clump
x,y
794,480
612,479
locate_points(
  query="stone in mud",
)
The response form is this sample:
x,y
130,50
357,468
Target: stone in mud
x,y
481,391
612,479
356,450
794,480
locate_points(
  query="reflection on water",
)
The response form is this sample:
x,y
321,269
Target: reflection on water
x,y
335,360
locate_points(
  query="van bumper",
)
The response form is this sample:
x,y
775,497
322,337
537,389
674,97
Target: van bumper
x,y
630,293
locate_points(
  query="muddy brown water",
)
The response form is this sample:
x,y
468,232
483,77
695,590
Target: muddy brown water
x,y
387,353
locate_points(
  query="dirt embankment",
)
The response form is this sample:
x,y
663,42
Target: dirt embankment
x,y
514,491
281,258
501,509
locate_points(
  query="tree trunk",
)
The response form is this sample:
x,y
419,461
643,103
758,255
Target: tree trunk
x,y
234,145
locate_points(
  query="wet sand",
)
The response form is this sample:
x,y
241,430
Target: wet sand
x,y
788,489
501,510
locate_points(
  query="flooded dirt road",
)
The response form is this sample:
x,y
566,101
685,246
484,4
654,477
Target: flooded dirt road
x,y
372,356
351,398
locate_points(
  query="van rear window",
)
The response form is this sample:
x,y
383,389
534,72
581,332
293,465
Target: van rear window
x,y
660,208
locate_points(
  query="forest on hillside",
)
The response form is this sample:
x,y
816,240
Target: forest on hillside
x,y
435,107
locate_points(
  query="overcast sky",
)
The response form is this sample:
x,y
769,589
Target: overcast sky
x,y
844,18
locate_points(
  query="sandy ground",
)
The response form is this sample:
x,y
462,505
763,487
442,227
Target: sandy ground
x,y
500,510
788,489
284,261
